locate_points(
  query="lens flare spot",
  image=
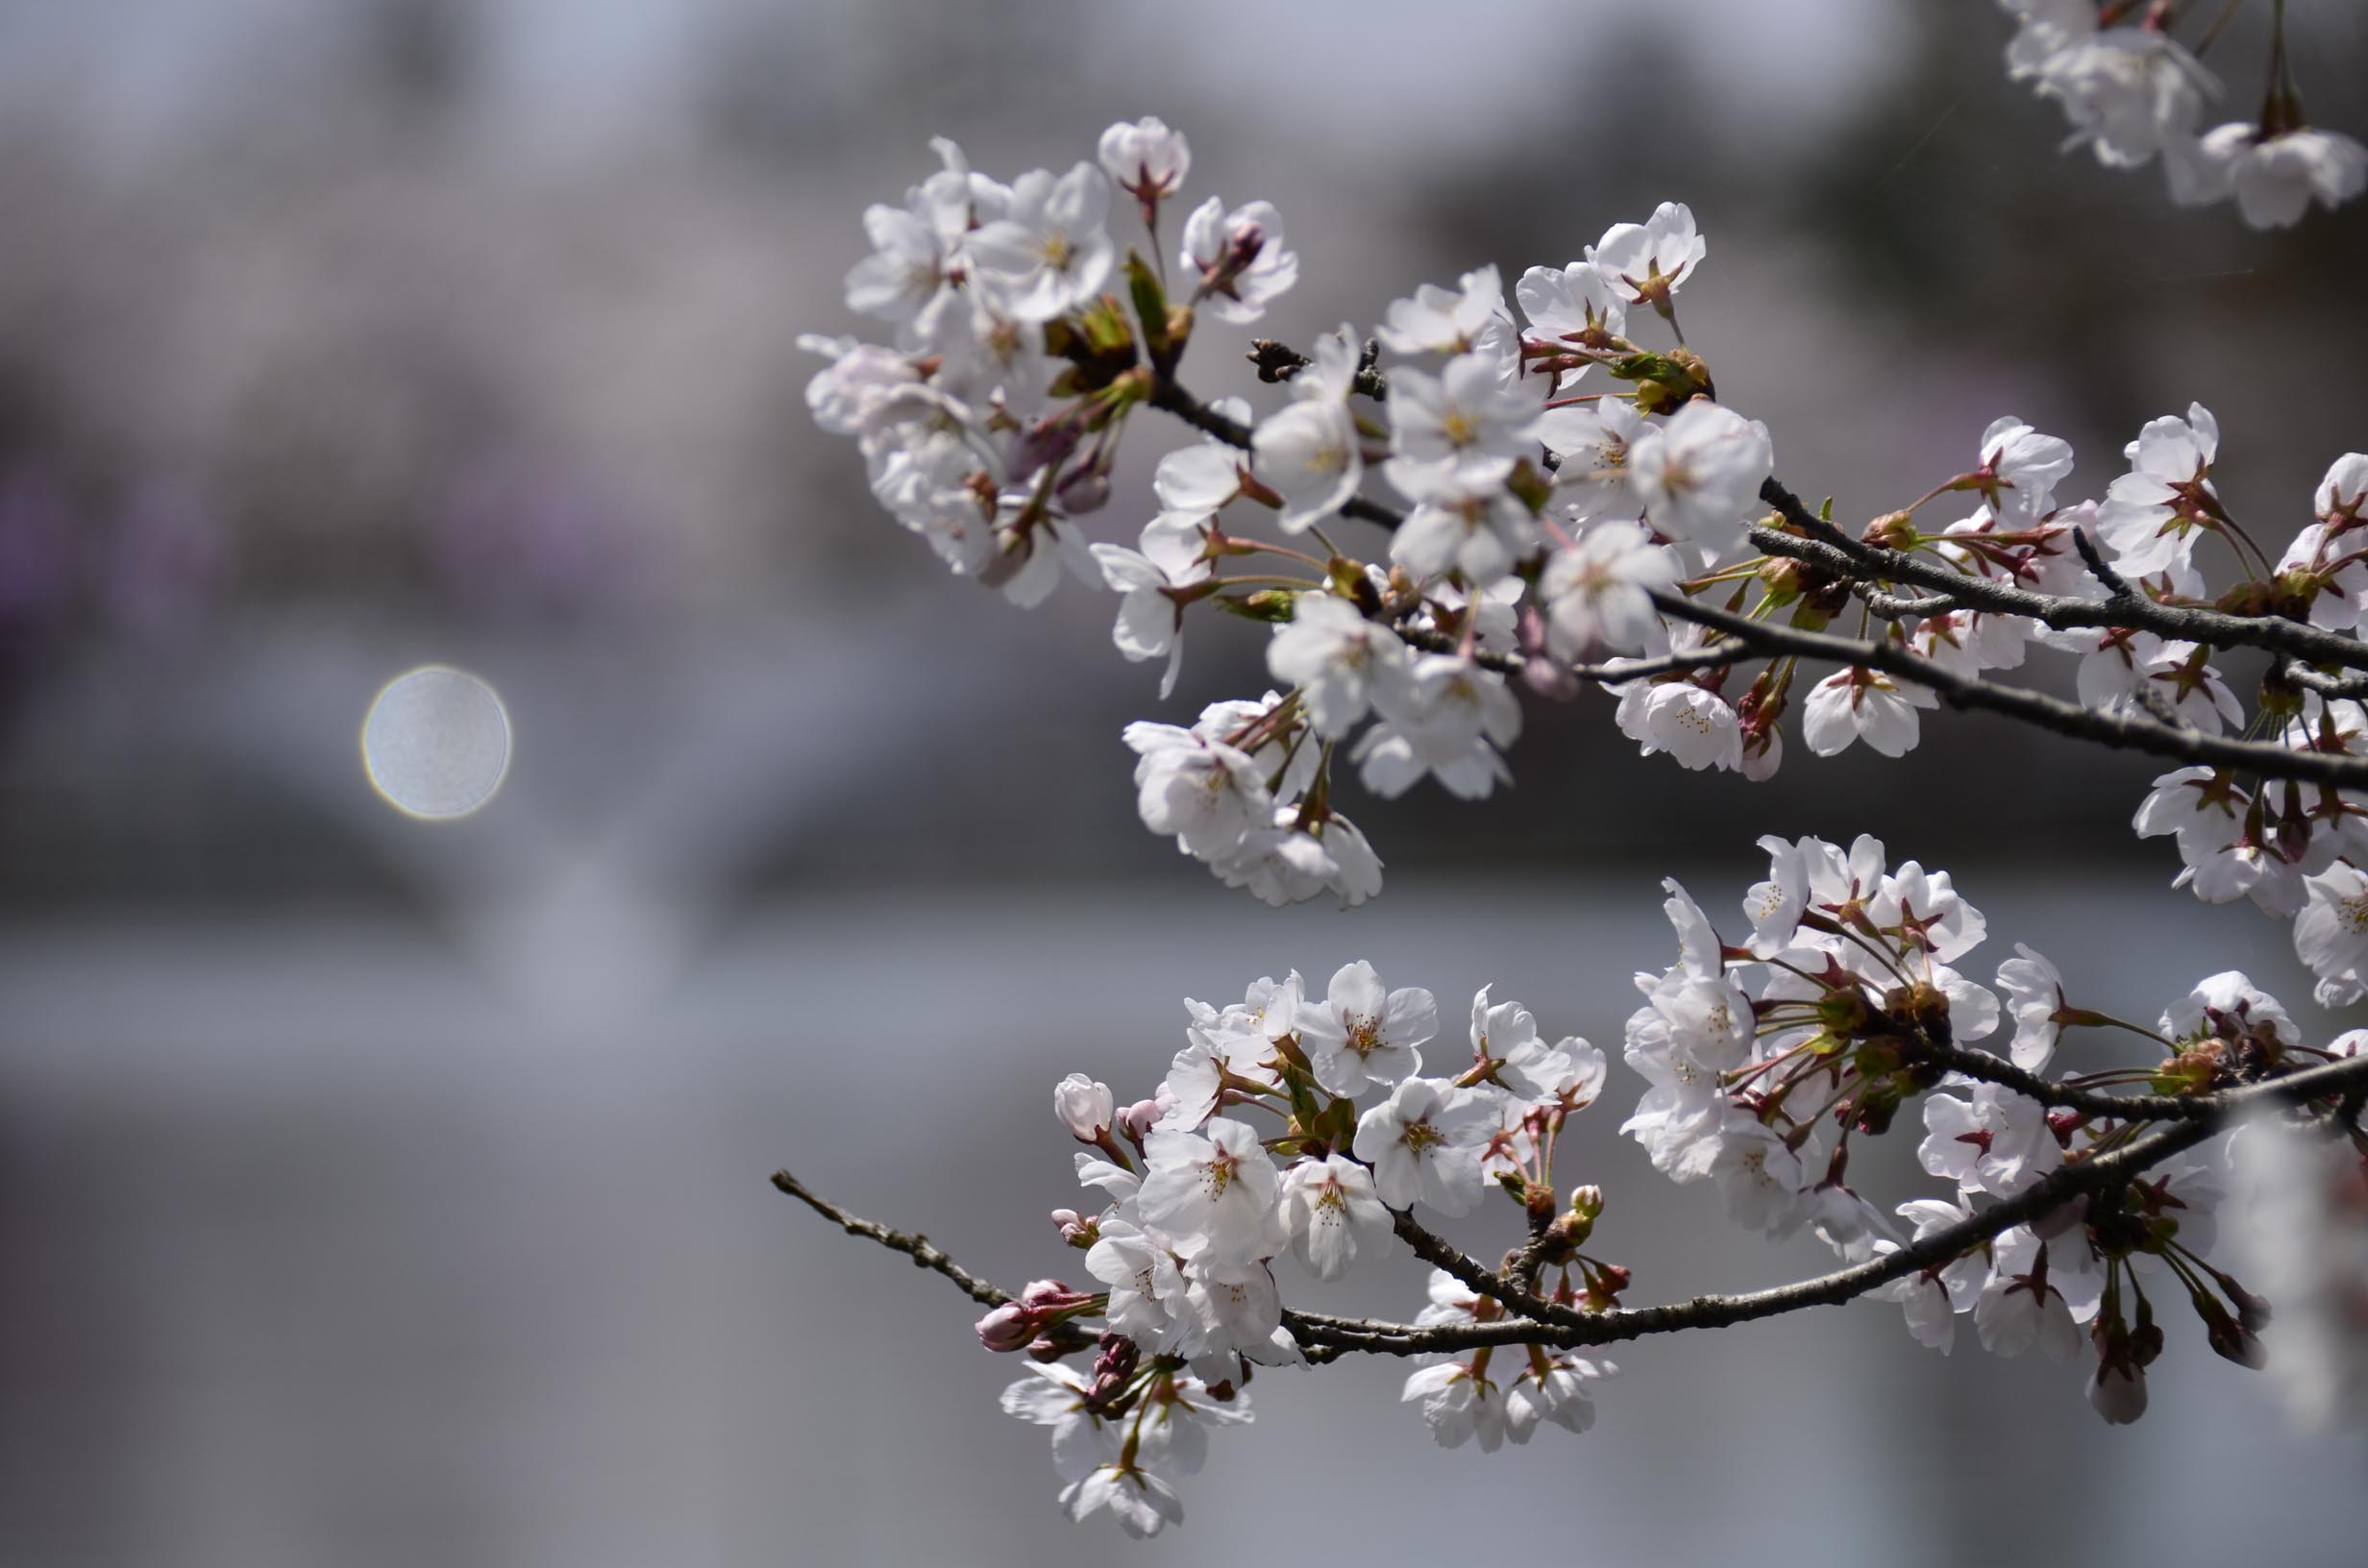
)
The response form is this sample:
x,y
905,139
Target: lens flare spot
x,y
436,742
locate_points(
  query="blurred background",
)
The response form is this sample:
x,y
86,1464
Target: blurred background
x,y
376,1191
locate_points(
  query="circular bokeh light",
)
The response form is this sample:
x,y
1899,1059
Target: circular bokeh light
x,y
436,742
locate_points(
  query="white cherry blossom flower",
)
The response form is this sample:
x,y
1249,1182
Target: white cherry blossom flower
x,y
1424,1143
2331,934
2021,1306
1138,1499
1145,158
1593,441
2152,515
2034,996
1454,720
2020,470
1363,1034
1238,258
1577,304
1308,453
1463,521
2342,496
1932,1298
1050,251
1597,593
1691,722
1329,1208
1206,794
2130,93
1553,1389
1465,415
1214,1190
1150,619
2228,1005
1999,1142
1699,475
1645,263
1459,1405
1435,320
1343,664
1862,704
2275,178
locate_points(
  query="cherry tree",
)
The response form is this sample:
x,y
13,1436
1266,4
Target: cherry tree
x,y
1489,496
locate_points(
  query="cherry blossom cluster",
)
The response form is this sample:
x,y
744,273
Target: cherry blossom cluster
x,y
2133,93
1563,503
1300,1131
1294,1125
1825,1019
1535,528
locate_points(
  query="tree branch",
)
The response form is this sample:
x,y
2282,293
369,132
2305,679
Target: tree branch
x,y
924,1252
1831,550
1545,1323
2006,1074
2073,1180
2122,731
1170,398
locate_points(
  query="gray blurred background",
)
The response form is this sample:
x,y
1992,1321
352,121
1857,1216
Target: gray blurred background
x,y
374,1191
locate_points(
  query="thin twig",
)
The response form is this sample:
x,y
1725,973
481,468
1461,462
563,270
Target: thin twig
x,y
1545,1323
2120,730
1829,549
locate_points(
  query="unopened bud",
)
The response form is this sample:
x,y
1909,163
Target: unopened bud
x,y
1086,1108
1046,1350
1138,1120
1083,490
1051,1297
1008,1327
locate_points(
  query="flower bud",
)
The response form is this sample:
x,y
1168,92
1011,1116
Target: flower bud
x,y
1085,1106
1138,1120
1083,490
1145,159
1076,1230
1051,1297
1046,1350
1008,1327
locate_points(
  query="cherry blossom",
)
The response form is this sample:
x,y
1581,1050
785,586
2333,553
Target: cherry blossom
x,y
1423,1143
1362,1034
1145,159
1049,249
1238,258
1699,475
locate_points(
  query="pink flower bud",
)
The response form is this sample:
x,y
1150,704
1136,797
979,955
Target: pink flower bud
x,y
1051,1297
1139,1118
1008,1327
1085,1106
1044,1349
1083,490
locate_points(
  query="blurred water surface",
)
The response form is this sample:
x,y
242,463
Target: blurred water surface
x,y
325,1246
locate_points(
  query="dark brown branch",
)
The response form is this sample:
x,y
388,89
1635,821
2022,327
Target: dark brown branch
x,y
1560,1326
2006,1074
2120,730
1611,672
1170,398
924,1252
2073,1180
2299,673
1893,607
1831,550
